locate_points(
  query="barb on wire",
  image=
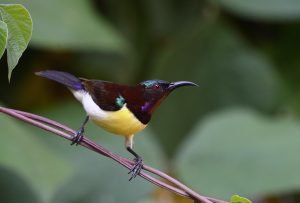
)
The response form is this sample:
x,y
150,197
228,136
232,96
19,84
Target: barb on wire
x,y
68,133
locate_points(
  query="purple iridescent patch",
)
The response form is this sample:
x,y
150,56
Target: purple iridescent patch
x,y
146,106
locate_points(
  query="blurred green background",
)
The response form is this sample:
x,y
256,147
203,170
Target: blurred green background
x,y
238,133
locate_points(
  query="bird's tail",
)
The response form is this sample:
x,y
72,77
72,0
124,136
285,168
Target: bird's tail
x,y
62,77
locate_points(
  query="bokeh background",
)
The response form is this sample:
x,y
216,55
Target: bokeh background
x,y
238,133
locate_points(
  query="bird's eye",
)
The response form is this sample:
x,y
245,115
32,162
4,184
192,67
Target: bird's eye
x,y
156,86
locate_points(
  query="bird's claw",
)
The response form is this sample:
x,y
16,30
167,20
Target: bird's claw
x,y
136,169
78,137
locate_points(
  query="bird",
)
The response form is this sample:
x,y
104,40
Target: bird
x,y
119,109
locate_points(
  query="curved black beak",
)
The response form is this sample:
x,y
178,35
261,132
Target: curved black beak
x,y
174,85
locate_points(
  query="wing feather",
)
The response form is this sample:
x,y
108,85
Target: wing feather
x,y
106,95
103,93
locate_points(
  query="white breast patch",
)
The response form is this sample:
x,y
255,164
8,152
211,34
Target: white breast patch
x,y
91,108
121,122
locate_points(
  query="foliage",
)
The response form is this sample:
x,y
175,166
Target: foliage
x,y
235,134
238,199
249,150
72,24
272,10
15,32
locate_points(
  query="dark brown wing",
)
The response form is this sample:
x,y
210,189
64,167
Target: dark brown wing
x,y
103,93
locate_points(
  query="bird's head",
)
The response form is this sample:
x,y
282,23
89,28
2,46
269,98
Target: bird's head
x,y
155,91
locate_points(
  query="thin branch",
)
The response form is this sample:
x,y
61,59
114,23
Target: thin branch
x,y
68,133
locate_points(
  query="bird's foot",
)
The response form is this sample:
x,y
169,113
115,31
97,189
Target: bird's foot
x,y
78,137
79,134
136,169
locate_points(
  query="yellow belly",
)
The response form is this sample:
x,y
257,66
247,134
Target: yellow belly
x,y
121,122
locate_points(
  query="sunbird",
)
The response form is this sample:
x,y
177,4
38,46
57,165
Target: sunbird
x,y
120,109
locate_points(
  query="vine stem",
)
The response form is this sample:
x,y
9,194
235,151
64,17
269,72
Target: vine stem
x,y
174,185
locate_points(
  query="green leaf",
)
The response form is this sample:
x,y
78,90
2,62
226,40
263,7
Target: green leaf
x,y
72,24
22,153
241,152
3,37
238,199
19,27
97,177
227,71
272,10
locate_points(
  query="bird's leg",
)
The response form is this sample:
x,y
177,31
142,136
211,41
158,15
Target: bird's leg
x,y
137,167
79,134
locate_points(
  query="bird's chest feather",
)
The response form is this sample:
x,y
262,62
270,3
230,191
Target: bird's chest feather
x,y
120,122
